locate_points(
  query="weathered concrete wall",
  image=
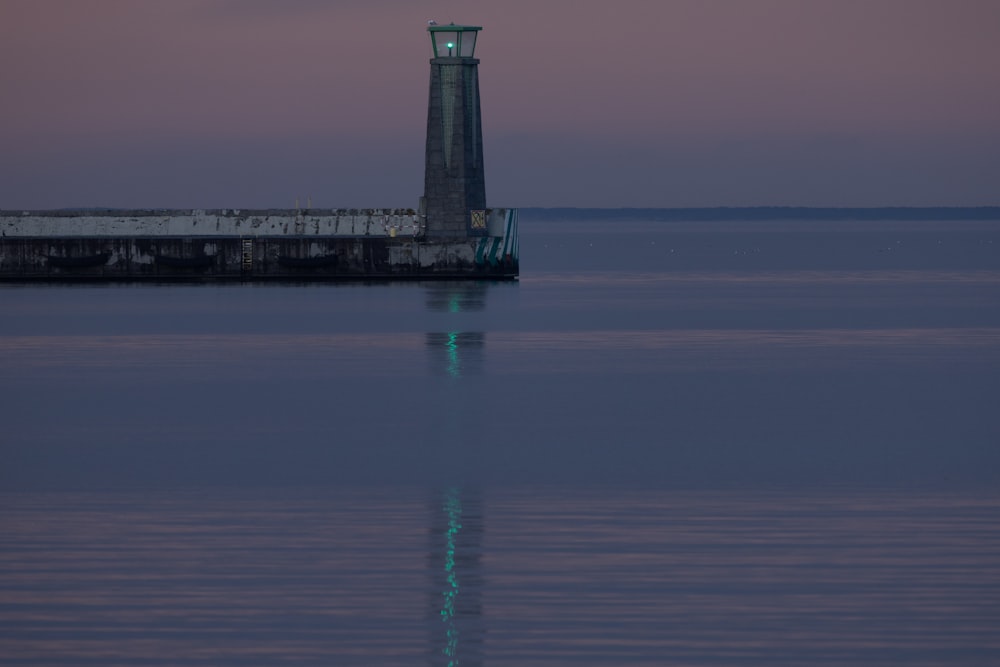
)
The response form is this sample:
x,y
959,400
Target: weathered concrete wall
x,y
217,222
56,246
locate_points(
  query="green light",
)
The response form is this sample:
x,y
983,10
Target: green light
x,y
451,45
453,510
454,364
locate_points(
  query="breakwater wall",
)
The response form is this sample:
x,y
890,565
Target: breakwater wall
x,y
240,244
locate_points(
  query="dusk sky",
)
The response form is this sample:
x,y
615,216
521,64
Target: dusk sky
x,y
254,103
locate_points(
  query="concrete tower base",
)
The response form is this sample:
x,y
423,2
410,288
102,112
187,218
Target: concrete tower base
x,y
454,179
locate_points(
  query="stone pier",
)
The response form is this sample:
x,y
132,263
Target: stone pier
x,y
235,244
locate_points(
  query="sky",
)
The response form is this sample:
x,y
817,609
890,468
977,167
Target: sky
x,y
647,103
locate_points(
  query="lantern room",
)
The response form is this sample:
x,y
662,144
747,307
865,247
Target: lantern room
x,y
453,41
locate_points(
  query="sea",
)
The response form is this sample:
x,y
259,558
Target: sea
x,y
742,442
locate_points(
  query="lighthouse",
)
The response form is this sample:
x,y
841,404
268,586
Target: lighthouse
x,y
454,181
452,236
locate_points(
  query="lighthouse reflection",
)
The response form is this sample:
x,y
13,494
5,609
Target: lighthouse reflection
x,y
456,296
456,352
455,609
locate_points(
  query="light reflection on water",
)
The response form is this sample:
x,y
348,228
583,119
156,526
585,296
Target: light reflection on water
x,y
456,561
556,576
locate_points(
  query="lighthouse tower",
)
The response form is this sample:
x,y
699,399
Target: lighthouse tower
x,y
454,182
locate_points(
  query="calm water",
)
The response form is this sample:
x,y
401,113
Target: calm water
x,y
674,444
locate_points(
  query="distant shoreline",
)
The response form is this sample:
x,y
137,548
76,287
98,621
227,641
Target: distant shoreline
x,y
723,213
